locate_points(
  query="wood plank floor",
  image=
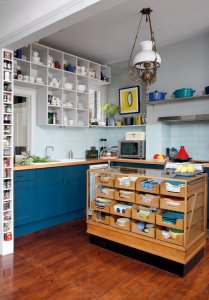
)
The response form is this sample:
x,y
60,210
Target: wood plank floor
x,y
59,263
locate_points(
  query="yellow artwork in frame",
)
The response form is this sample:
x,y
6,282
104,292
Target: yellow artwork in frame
x,y
129,100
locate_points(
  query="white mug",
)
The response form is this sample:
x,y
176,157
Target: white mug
x,y
20,77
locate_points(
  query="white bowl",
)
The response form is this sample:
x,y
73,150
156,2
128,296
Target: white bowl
x,y
81,88
68,85
36,59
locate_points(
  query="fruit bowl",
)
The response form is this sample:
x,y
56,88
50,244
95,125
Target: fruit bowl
x,y
186,174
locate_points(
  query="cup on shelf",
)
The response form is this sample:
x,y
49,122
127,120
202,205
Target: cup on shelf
x,y
39,80
35,54
54,100
32,79
36,59
58,101
68,85
71,122
81,88
26,78
20,77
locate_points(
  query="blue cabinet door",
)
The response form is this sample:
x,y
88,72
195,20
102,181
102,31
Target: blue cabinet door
x,y
74,189
24,191
49,193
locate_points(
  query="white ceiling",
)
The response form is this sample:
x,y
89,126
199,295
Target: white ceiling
x,y
108,37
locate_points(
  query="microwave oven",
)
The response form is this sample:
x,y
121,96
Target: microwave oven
x,y
131,149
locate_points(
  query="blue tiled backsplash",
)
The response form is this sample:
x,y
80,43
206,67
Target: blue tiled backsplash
x,y
75,139
195,138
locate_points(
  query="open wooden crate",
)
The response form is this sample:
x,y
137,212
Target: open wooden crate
x,y
150,219
151,233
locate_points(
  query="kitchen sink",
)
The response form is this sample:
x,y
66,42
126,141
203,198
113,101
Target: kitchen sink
x,y
65,160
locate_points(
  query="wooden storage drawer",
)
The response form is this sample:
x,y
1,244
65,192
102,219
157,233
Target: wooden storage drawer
x,y
163,191
95,207
105,219
113,220
105,180
148,201
159,221
149,219
150,233
155,190
127,212
179,240
172,204
105,193
126,182
127,196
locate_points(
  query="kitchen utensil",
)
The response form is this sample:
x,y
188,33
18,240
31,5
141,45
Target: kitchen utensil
x,y
128,120
207,90
184,92
182,154
154,96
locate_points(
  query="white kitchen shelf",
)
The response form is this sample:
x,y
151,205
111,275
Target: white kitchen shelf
x,y
6,183
177,100
122,126
48,72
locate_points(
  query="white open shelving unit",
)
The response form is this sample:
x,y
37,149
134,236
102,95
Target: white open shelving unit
x,y
57,114
6,153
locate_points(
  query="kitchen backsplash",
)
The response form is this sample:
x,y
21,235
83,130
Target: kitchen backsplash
x,y
195,138
75,139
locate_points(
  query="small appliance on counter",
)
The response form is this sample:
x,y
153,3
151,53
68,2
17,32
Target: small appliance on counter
x,y
92,153
135,136
131,149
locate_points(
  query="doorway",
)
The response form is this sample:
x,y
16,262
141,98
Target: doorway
x,y
24,120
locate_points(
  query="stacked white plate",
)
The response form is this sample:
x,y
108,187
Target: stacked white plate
x,y
101,202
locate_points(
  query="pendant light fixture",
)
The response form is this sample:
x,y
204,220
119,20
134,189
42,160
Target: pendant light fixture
x,y
146,62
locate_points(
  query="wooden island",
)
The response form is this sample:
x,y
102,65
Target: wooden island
x,y
171,209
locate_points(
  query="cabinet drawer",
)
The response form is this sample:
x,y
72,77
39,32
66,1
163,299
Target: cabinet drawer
x,y
127,212
151,233
105,180
100,217
113,220
154,187
150,219
164,191
159,221
148,200
126,182
179,240
105,192
95,207
173,204
127,196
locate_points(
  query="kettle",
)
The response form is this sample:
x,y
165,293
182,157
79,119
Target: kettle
x,y
171,152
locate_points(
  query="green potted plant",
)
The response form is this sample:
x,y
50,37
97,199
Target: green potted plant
x,y
110,110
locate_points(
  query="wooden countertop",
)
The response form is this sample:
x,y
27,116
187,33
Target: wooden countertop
x,y
84,162
98,161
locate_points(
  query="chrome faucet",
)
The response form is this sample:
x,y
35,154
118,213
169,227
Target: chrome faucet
x,y
46,150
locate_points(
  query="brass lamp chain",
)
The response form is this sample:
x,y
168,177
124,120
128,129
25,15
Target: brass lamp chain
x,y
135,39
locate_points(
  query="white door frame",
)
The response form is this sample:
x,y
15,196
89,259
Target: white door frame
x,y
31,94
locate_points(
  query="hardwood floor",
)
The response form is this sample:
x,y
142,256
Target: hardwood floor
x,y
59,263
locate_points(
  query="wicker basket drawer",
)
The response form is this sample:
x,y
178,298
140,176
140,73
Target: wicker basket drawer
x,y
126,182
148,200
105,193
149,219
105,180
106,208
128,196
115,209
113,223
159,221
154,187
150,233
100,217
174,204
179,240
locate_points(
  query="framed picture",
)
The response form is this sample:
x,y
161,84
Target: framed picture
x,y
129,100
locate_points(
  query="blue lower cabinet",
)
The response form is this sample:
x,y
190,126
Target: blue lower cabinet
x,y
24,195
135,165
74,189
48,196
49,193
